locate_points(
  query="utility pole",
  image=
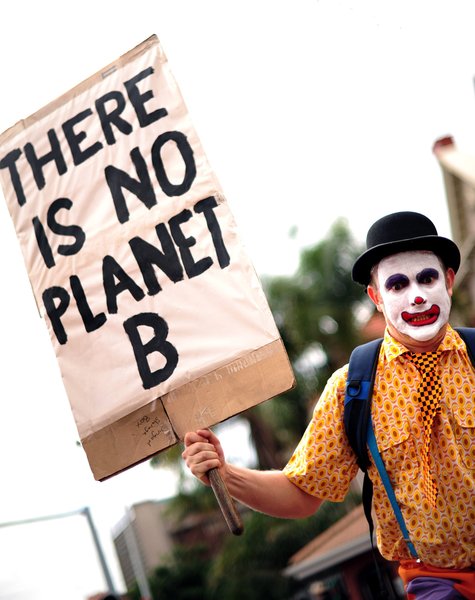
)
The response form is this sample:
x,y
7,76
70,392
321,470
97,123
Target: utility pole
x,y
102,559
87,513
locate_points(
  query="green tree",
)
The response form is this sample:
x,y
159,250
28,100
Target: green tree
x,y
251,567
182,577
316,310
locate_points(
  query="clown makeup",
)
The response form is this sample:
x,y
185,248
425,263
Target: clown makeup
x,y
414,293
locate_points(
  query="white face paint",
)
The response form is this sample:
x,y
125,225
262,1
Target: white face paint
x,y
414,293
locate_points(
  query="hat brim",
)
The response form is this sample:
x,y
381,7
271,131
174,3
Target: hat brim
x,y
444,248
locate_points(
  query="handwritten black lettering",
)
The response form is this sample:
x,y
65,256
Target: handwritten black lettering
x,y
157,343
76,135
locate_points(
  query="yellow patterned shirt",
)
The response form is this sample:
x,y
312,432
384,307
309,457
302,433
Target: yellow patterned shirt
x,y
323,463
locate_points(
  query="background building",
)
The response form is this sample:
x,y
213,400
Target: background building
x,y
146,536
340,564
458,170
141,540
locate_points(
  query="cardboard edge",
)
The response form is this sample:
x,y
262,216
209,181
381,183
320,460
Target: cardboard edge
x,y
129,441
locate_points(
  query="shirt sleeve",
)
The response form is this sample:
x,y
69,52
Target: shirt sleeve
x,y
323,464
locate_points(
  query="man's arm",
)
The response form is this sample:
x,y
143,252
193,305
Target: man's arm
x,y
269,492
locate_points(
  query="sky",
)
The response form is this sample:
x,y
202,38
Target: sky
x,y
308,111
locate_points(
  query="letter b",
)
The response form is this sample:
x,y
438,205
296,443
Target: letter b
x,y
158,343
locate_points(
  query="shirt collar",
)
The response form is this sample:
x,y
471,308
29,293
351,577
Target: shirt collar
x,y
392,348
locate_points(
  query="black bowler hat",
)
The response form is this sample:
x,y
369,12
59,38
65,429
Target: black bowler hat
x,y
399,232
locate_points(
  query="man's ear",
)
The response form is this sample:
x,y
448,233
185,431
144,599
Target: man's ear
x,y
375,296
449,280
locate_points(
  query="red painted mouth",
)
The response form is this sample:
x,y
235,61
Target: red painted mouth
x,y
422,318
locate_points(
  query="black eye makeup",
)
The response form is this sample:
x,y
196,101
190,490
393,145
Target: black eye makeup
x,y
427,276
397,281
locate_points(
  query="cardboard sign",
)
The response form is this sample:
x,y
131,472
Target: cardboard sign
x,y
156,315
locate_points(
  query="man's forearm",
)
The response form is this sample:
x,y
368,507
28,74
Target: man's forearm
x,y
269,492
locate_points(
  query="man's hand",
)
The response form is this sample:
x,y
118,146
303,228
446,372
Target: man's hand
x,y
203,452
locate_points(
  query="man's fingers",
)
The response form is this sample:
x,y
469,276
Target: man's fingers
x,y
202,452
192,437
200,458
198,449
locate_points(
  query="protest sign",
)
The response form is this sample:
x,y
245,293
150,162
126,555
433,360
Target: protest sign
x,y
157,318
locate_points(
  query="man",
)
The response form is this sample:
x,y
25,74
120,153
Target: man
x,y
409,272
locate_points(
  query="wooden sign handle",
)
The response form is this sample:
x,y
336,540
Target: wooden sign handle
x,y
226,503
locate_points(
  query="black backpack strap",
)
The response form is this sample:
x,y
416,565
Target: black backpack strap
x,y
367,499
359,388
356,416
468,336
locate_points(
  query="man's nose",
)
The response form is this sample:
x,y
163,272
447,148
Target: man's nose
x,y
418,300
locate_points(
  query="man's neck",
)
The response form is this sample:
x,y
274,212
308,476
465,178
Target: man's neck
x,y
418,346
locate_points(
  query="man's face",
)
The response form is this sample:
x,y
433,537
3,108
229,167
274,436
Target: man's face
x,y
414,294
